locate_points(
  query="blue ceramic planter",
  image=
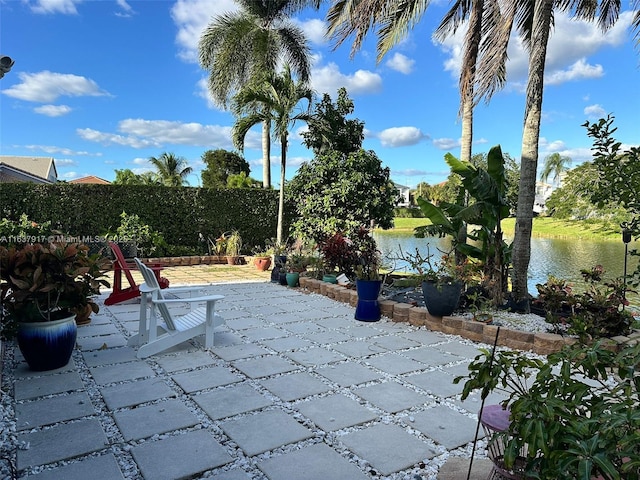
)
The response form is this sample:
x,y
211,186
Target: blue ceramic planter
x,y
368,308
47,345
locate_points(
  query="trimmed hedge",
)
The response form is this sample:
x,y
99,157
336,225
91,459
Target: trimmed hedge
x,y
178,213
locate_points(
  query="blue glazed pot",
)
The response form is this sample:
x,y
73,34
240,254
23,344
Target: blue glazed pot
x,y
368,308
47,345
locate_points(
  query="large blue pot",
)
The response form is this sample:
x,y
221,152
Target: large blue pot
x,y
47,345
441,300
368,308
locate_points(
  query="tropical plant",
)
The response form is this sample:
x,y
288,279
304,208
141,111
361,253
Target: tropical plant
x,y
171,169
233,243
368,257
237,47
23,231
132,229
241,181
42,282
337,254
574,414
555,164
127,177
274,97
220,164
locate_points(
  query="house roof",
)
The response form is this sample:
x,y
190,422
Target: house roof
x,y
91,179
42,167
397,185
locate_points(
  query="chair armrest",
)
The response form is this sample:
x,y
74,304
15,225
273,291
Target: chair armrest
x,y
209,298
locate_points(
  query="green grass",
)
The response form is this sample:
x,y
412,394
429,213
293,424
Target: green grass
x,y
542,227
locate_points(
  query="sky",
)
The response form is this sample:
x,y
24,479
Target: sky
x,y
105,85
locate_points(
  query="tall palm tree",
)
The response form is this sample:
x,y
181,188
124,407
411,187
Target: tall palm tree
x,y
252,41
171,169
555,164
274,97
534,22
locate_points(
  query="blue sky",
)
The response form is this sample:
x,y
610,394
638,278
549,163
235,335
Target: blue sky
x,y
104,85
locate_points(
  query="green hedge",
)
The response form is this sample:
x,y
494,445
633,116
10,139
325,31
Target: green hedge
x,y
178,213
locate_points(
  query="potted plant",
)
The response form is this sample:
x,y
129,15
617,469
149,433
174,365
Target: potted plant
x,y
233,246
94,278
296,263
338,256
262,259
41,285
367,272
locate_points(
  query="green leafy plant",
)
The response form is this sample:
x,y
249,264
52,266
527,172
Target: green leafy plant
x,y
132,229
337,254
46,281
577,419
368,257
233,243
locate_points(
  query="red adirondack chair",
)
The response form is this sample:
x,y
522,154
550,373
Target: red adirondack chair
x,y
120,266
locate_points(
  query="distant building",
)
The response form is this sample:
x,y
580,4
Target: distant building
x,y
28,169
543,192
91,179
403,191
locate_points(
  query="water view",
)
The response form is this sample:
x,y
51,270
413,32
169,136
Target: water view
x,y
560,257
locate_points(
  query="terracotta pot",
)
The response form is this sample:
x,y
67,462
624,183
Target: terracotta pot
x,y
262,263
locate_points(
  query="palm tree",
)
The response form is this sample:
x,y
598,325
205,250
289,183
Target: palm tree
x,y
555,164
535,21
172,170
275,97
238,46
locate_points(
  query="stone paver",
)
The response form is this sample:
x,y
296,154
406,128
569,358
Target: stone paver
x,y
264,366
181,456
143,422
348,373
134,393
295,386
231,401
335,412
394,363
447,427
315,356
104,467
435,382
52,410
392,396
47,385
372,444
205,378
265,431
316,462
121,372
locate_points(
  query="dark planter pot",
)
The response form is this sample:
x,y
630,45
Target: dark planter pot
x,y
293,279
330,279
282,278
47,345
128,249
278,263
368,308
441,300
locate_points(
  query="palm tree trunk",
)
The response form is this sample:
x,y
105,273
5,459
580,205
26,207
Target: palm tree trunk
x,y
266,154
283,167
529,160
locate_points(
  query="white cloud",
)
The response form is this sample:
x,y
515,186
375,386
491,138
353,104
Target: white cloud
x,y
446,143
577,71
400,136
53,110
54,6
71,175
570,44
202,90
53,150
140,133
46,87
595,111
65,162
314,29
127,10
328,79
401,63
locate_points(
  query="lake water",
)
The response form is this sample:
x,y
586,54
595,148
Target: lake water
x,y
562,258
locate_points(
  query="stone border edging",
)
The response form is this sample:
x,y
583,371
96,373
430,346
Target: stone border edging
x,y
541,343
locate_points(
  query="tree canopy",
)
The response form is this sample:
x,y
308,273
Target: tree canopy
x,y
220,164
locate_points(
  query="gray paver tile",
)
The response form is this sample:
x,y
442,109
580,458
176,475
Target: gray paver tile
x,y
435,382
388,448
181,456
286,344
60,442
458,348
358,348
204,378
264,366
335,412
240,320
230,401
392,397
22,370
110,355
473,402
95,343
327,337
431,356
48,385
265,333
315,462
143,422
302,328
193,360
447,427
265,431
53,410
97,330
460,370
334,322
134,393
362,330
283,318
104,467
424,337
394,342
395,364
295,386
121,372
314,356
348,373
235,474
236,352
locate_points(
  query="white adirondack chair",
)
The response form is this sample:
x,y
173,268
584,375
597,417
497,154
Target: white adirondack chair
x,y
154,337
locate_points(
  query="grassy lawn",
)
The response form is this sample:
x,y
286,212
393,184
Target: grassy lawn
x,y
542,227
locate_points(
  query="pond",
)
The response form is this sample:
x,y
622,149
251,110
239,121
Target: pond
x,y
560,257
